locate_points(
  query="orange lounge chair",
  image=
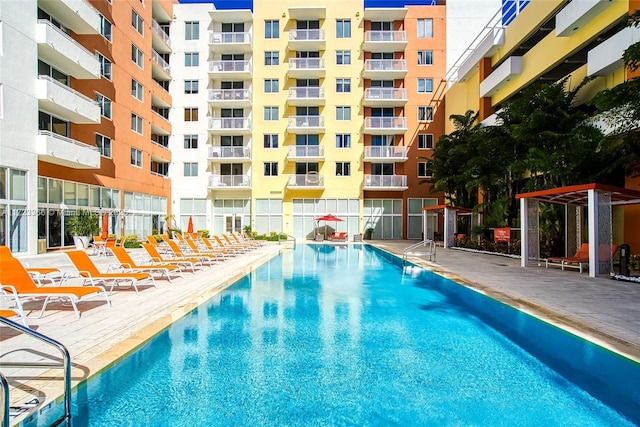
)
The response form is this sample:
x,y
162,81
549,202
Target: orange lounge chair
x,y
88,270
15,281
190,263
129,265
581,257
214,248
8,314
218,253
340,236
177,252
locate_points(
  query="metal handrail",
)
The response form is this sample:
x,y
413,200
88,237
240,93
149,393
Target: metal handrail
x,y
66,366
288,236
427,242
4,403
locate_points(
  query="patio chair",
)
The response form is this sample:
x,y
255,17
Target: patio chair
x,y
128,265
17,283
210,246
218,253
177,252
41,275
90,273
187,263
340,236
581,257
9,314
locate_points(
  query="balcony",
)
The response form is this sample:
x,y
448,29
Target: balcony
x,y
310,181
240,69
159,67
307,153
385,125
384,97
63,151
230,42
307,40
385,182
160,40
306,124
160,124
219,154
64,102
58,49
306,68
232,98
77,15
385,69
230,125
306,96
385,154
502,75
229,182
385,41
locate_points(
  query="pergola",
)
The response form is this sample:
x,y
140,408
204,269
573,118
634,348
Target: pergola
x,y
450,220
597,198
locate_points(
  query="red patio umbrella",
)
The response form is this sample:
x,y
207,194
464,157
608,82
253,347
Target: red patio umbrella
x,y
328,217
190,225
105,226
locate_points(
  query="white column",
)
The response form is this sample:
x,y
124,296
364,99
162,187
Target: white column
x,y
524,232
594,244
424,225
447,229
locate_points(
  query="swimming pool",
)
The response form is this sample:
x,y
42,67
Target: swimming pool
x,y
343,335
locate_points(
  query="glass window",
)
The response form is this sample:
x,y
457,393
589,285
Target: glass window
x,y
343,85
191,59
104,145
105,67
105,105
425,85
191,86
42,187
191,169
271,141
343,57
137,56
271,169
136,123
271,85
83,195
343,169
271,29
272,58
137,22
105,28
136,157
192,30
424,170
190,141
343,113
425,114
69,193
343,140
425,141
17,184
190,114
270,113
425,57
55,191
425,28
343,28
137,90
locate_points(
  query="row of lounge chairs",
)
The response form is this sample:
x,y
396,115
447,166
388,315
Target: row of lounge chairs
x,y
20,284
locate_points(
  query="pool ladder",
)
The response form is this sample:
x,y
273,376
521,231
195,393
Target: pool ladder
x,y
65,365
288,239
429,246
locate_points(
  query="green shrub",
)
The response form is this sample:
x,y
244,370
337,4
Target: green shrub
x,y
203,233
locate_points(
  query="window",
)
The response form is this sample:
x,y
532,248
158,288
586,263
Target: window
x,y
136,90
343,140
343,169
192,30
191,86
190,114
425,57
190,142
105,105
136,157
271,141
105,67
271,29
191,59
271,169
343,28
191,169
425,114
343,85
424,170
343,57
425,85
425,141
425,28
104,145
343,113
272,58
137,56
137,22
271,85
270,113
105,28
136,123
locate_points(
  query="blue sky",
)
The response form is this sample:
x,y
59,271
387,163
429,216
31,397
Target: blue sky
x,y
248,4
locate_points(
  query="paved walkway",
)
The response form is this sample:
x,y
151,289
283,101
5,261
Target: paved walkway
x,y
604,310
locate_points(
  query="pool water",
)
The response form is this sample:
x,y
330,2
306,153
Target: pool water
x,y
344,335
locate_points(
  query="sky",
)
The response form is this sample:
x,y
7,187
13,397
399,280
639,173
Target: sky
x,y
248,4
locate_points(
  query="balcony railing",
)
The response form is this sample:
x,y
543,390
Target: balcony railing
x,y
306,151
160,61
306,121
237,181
385,36
229,152
229,123
216,37
220,66
310,180
67,88
66,36
398,152
385,181
391,123
306,35
229,95
161,32
306,64
385,65
385,94
306,93
68,140
164,114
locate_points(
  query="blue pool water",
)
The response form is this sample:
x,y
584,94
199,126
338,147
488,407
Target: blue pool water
x,y
343,335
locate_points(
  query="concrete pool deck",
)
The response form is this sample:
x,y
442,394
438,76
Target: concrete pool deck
x,y
603,310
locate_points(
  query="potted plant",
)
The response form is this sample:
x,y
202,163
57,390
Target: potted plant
x,y
82,225
368,233
634,263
